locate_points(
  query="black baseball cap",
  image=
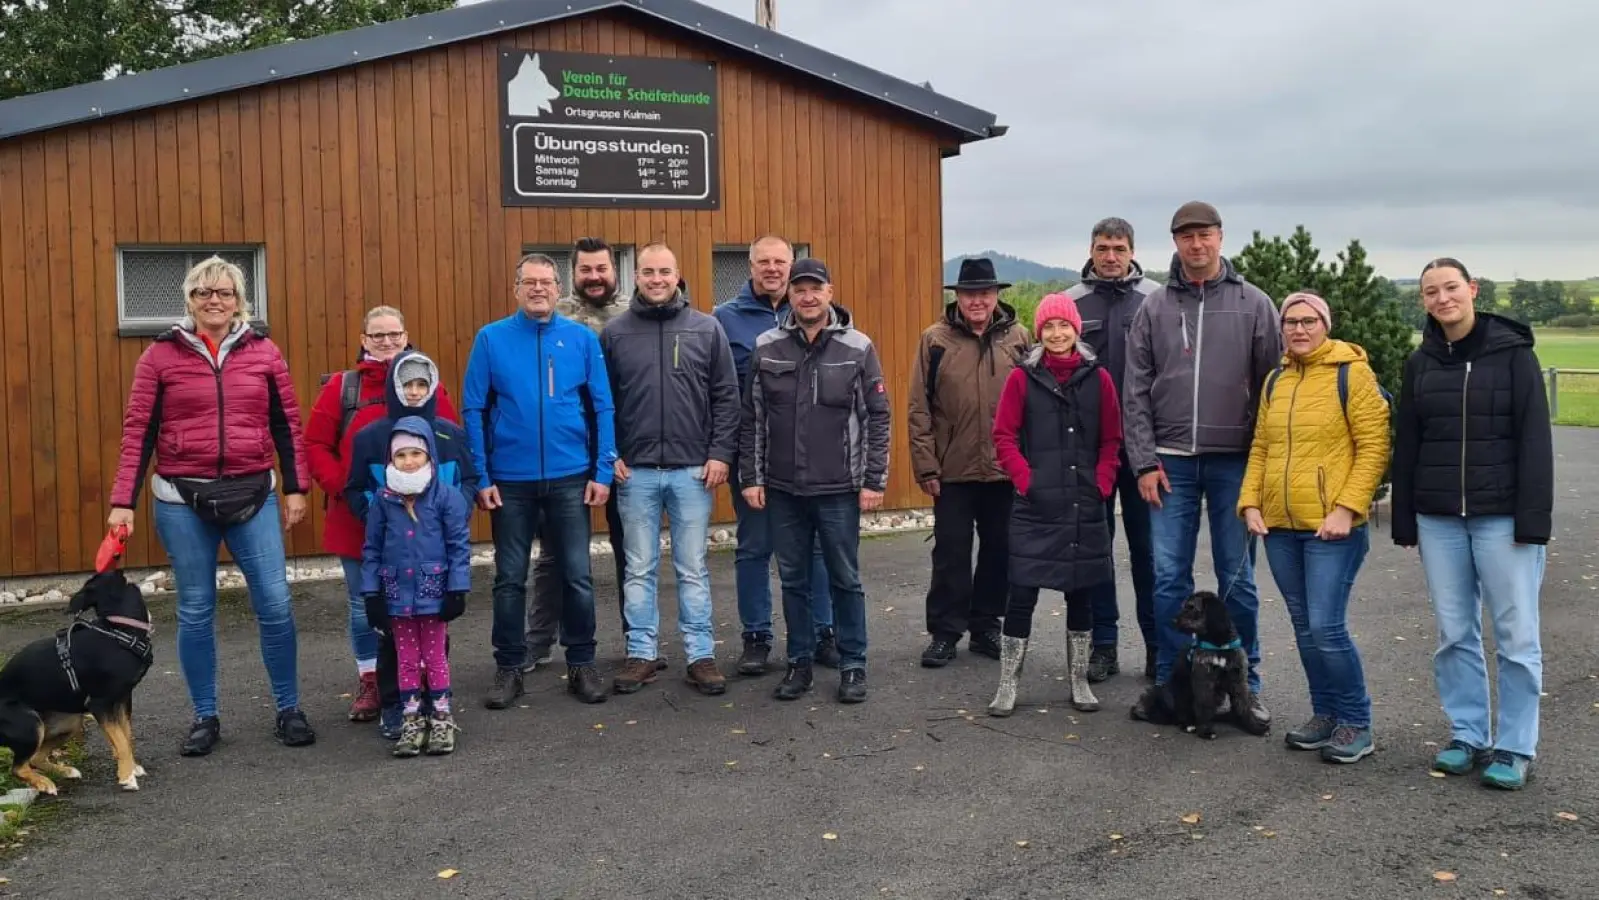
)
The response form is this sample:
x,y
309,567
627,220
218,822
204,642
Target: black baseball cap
x,y
808,267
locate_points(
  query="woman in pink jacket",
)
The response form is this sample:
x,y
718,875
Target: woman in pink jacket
x,y
213,403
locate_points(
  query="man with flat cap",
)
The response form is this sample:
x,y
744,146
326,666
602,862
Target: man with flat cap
x,y
961,365
813,450
1198,351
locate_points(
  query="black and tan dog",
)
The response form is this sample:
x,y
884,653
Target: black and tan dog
x,y
1213,672
91,666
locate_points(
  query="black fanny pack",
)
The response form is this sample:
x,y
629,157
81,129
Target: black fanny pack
x,y
225,501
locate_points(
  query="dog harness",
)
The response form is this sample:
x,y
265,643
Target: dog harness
x,y
138,645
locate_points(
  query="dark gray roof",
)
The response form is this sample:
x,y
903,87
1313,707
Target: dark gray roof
x,y
52,109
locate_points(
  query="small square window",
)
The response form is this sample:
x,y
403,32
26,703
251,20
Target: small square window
x,y
730,268
563,266
150,284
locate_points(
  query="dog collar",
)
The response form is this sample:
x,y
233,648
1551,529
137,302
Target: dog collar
x,y
1234,644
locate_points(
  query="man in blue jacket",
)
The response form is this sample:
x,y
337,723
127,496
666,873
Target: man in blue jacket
x,y
535,387
757,309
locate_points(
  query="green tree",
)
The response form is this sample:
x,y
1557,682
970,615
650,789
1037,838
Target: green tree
x,y
49,44
1487,295
1367,310
1578,300
1024,296
1535,302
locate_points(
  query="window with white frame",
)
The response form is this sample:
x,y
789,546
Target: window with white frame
x,y
563,266
730,268
150,284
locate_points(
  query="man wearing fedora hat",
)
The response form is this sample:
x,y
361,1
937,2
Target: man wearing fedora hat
x,y
961,365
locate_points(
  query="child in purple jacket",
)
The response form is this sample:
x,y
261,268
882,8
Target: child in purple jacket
x,y
415,573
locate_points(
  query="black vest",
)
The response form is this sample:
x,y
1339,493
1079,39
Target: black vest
x,y
1058,536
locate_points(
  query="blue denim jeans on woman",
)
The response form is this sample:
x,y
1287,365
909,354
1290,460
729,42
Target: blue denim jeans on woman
x,y
1316,577
681,493
553,510
752,567
1216,479
363,640
257,547
1468,561
798,525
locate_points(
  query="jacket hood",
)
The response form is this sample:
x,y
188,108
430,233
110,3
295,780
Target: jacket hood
x,y
1175,279
1135,273
652,311
840,320
393,391
1332,352
420,427
1004,317
1491,334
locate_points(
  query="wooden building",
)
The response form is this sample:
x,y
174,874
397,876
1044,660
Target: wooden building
x,y
382,166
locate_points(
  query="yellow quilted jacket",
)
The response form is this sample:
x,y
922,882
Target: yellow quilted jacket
x,y
1307,458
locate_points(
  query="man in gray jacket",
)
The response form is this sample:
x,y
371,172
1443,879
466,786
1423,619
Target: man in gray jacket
x,y
677,416
813,380
1197,353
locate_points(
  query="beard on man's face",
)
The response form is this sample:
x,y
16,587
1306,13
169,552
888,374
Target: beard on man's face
x,y
596,289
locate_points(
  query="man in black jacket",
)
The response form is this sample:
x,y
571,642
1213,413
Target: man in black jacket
x,y
814,380
677,415
1112,289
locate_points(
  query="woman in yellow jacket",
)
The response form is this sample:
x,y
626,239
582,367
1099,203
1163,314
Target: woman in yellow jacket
x,y
1320,448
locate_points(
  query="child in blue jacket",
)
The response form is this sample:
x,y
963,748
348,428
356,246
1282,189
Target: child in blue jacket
x,y
415,574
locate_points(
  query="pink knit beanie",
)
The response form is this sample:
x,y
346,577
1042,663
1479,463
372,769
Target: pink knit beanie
x,y
1316,304
1057,306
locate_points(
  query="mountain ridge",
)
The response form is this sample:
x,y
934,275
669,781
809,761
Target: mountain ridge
x,y
1012,268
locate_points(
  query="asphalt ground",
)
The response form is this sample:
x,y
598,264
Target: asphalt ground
x,y
917,793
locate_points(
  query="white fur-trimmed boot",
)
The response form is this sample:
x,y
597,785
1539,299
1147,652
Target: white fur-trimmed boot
x,y
1012,653
1079,646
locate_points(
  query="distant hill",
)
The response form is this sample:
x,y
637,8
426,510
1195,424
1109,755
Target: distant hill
x,y
1012,268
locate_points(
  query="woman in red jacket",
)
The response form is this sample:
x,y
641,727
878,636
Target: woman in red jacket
x,y
336,417
212,402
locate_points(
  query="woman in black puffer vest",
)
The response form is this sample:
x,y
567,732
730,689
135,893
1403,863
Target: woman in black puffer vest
x,y
1057,434
1473,477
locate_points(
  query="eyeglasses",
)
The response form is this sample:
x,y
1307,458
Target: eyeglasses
x,y
1302,324
205,293
392,337
545,283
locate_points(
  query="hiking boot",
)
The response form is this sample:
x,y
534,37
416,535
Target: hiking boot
x,y
1348,744
585,683
754,659
203,737
852,686
1150,654
1460,758
441,735
796,682
293,730
389,722
1313,735
985,643
1102,663
413,736
826,650
366,704
706,677
635,674
1508,771
939,653
507,687
1257,711
537,658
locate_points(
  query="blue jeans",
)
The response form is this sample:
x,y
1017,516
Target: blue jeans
x,y
1174,530
1135,526
1469,561
798,525
553,510
752,566
257,547
363,640
1316,577
681,493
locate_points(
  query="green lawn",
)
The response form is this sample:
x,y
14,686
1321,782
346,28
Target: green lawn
x,y
1571,348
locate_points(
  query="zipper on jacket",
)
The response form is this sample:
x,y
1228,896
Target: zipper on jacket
x,y
222,423
1321,489
549,368
1199,350
660,348
1288,496
1465,386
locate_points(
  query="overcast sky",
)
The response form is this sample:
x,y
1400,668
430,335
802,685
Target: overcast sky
x,y
1422,127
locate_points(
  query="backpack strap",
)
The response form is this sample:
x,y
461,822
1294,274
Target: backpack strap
x,y
350,401
1271,382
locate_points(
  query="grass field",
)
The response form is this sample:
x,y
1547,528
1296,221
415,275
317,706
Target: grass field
x,y
1563,348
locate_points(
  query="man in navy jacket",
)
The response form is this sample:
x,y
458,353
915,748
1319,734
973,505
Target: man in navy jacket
x,y
536,386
